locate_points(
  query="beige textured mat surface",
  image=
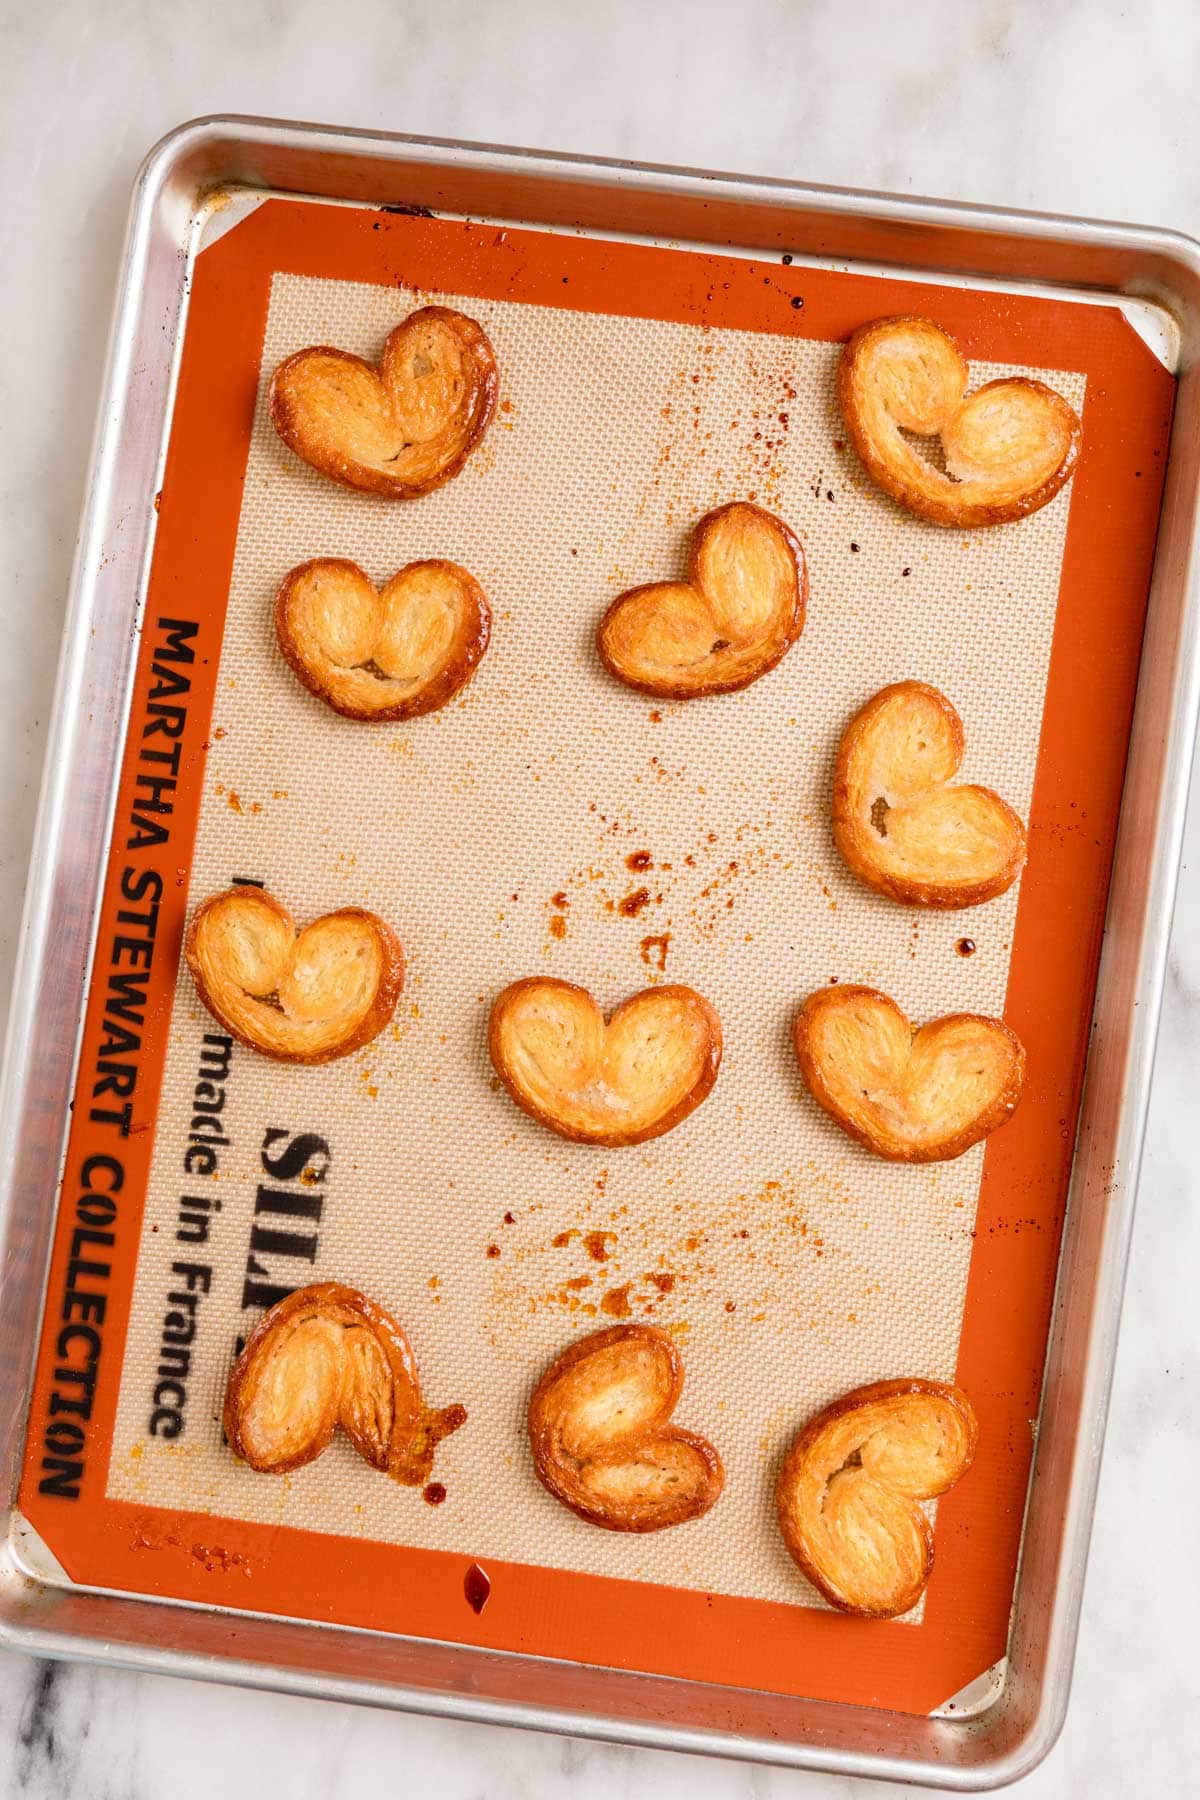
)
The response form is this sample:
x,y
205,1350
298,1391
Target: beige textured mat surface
x,y
792,1264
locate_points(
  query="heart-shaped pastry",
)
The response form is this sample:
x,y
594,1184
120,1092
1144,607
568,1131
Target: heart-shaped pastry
x,y
849,1492
620,1083
326,1358
302,999
737,614
1008,448
392,653
602,1441
399,429
912,1096
900,826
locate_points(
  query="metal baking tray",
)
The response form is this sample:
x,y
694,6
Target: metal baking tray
x,y
1156,276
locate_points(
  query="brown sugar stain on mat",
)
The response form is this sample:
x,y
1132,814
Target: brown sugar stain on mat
x,y
759,1254
725,423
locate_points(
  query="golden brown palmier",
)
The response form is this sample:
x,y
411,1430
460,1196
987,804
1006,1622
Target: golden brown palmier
x,y
400,428
738,613
323,1359
1008,447
389,653
909,1095
623,1082
901,825
602,1440
848,1495
301,998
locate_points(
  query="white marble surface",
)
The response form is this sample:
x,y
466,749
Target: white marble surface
x,y
1086,107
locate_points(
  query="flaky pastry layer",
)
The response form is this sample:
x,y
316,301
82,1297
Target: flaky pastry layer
x,y
623,1082
601,1437
908,1095
324,1358
1008,447
900,825
737,614
399,429
389,653
847,1497
305,998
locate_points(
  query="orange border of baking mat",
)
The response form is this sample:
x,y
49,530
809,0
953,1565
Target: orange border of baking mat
x,y
1093,670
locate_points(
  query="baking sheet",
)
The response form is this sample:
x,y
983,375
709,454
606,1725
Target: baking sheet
x,y
80,1528
796,1264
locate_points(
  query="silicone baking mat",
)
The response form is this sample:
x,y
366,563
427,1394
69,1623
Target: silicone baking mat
x,y
551,821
